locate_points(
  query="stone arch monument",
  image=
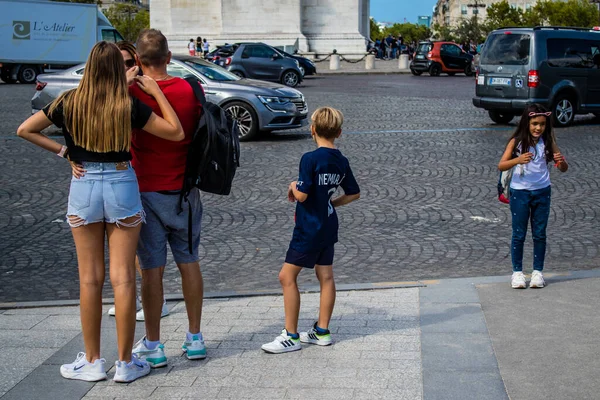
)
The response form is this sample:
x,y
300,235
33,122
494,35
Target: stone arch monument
x,y
312,26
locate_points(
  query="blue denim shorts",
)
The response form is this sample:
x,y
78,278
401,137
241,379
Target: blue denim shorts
x,y
108,192
166,224
309,260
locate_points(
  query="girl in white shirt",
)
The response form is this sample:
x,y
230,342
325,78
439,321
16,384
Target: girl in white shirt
x,y
528,152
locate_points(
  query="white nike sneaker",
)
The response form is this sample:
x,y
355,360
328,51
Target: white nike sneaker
x,y
518,280
129,372
84,370
282,344
163,313
138,307
537,280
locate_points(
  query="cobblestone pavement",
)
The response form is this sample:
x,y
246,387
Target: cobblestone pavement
x,y
426,162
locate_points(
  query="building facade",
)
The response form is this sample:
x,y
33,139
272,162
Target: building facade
x,y
449,13
143,4
310,26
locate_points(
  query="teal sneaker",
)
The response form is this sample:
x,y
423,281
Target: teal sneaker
x,y
194,349
155,358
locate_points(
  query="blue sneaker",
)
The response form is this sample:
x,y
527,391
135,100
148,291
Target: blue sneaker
x,y
194,349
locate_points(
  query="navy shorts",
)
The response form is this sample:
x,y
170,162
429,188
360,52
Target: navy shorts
x,y
309,260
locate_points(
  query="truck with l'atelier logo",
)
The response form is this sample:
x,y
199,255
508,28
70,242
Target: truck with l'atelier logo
x,y
36,35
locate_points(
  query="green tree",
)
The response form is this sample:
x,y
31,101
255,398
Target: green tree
x,y
502,14
469,30
443,32
375,32
409,32
99,2
579,13
128,19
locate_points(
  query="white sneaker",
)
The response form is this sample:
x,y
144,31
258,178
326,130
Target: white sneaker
x,y
83,370
163,313
129,372
282,344
314,338
537,280
518,280
138,307
194,349
155,358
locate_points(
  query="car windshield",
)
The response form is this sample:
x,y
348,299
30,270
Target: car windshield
x,y
424,48
213,72
506,49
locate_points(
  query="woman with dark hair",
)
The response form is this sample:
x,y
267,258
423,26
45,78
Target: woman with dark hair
x,y
97,120
528,152
198,46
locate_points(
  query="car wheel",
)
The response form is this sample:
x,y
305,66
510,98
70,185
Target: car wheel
x,y
500,118
416,73
239,73
435,70
290,78
27,74
246,118
469,70
563,111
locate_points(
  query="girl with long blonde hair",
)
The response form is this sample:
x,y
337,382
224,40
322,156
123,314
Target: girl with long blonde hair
x,y
97,119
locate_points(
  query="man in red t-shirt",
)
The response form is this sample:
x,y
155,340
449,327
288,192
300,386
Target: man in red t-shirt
x,y
160,167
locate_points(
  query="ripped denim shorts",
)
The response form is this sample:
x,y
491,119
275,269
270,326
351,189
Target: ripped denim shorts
x,y
108,192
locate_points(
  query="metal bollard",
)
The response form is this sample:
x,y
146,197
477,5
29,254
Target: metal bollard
x,y
334,61
370,62
403,62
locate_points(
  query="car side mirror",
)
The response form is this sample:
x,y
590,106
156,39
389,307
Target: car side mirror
x,y
275,56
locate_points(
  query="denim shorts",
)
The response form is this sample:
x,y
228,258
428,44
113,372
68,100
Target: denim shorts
x,y
309,260
108,192
166,224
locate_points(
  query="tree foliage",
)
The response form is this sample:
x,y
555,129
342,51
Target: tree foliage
x,y
99,2
469,30
375,32
580,13
128,19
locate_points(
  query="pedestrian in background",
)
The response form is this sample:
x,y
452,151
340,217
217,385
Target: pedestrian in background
x,y
322,171
206,47
529,150
192,47
198,46
97,120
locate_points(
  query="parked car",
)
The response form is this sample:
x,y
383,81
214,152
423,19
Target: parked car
x,y
441,57
307,67
256,105
258,61
557,67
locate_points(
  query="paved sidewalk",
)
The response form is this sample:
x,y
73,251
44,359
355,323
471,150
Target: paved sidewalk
x,y
381,67
472,338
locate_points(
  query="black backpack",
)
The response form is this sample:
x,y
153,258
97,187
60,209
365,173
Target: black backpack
x,y
214,153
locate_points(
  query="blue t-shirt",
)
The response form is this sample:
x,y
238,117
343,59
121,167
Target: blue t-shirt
x,y
321,172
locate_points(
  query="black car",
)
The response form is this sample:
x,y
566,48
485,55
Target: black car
x,y
306,66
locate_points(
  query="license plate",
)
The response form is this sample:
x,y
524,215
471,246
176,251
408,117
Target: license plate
x,y
420,56
500,81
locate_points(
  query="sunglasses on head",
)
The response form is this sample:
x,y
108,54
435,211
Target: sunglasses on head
x,y
130,63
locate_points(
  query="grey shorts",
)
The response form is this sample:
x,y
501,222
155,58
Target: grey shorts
x,y
164,225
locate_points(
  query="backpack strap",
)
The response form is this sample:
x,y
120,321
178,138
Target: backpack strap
x,y
198,91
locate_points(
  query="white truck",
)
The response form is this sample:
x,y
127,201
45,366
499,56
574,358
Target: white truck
x,y
36,35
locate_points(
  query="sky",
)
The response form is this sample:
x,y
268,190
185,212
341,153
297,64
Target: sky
x,y
397,10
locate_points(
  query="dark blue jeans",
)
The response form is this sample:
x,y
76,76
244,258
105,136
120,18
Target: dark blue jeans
x,y
534,206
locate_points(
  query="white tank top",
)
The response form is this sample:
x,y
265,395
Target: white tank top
x,y
535,175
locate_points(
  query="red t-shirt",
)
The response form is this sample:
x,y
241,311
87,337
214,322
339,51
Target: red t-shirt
x,y
160,164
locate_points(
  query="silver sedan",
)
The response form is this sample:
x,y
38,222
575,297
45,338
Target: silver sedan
x,y
258,106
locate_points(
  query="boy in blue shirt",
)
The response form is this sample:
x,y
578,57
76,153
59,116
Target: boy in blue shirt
x,y
322,171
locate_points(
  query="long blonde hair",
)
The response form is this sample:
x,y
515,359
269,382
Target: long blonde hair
x,y
98,113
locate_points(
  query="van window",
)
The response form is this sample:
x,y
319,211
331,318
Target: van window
x,y
507,49
108,35
571,53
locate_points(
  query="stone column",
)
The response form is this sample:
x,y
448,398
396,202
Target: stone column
x,y
370,62
403,61
334,62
